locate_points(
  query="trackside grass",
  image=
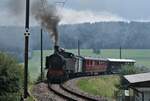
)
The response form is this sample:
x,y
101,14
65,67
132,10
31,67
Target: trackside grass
x,y
103,85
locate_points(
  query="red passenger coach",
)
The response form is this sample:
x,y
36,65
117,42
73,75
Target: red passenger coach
x,y
95,64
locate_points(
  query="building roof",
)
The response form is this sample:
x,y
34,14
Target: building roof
x,y
136,78
121,60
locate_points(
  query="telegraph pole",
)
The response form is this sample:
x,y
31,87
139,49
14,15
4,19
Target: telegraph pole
x,y
120,52
78,48
26,34
42,73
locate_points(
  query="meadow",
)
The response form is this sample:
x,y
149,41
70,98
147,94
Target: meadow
x,y
142,57
105,86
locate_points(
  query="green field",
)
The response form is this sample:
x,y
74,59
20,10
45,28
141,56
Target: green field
x,y
105,86
142,57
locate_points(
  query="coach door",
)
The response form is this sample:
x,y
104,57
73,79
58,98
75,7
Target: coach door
x,y
79,63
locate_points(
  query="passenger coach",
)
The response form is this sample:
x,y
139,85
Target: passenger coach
x,y
95,65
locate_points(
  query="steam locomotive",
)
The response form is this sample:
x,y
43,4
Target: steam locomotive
x,y
59,65
62,65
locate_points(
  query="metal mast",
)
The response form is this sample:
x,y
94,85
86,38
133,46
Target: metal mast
x,y
26,34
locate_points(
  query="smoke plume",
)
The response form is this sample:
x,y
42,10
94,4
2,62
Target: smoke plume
x,y
46,14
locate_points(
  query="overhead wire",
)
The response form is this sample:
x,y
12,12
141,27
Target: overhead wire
x,y
63,4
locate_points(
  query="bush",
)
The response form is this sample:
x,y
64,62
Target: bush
x,y
11,76
127,70
10,97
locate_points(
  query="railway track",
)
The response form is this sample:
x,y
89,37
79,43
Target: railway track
x,y
68,95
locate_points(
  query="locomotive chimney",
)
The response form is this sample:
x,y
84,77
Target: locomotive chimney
x,y
56,49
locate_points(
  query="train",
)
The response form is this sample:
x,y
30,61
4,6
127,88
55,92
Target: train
x,y
63,65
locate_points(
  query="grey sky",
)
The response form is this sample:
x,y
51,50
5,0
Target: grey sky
x,y
126,9
130,9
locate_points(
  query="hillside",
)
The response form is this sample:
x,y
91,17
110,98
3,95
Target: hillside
x,y
96,35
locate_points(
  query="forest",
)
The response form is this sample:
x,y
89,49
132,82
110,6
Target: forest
x,y
100,35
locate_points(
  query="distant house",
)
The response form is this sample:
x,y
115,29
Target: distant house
x,y
139,86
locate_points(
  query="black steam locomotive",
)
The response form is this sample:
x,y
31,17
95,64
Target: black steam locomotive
x,y
57,64
62,65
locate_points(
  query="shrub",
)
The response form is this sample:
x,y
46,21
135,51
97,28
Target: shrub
x,y
11,76
10,97
127,70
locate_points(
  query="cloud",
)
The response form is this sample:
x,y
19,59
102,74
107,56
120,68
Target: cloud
x,y
7,19
70,16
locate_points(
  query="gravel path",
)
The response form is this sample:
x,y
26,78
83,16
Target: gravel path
x,y
58,88
42,93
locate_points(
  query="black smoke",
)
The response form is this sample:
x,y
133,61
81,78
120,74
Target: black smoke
x,y
46,14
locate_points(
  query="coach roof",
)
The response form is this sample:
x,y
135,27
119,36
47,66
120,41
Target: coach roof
x,y
93,58
121,60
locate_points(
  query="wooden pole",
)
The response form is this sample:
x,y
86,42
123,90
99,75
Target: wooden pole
x,y
78,48
120,53
42,73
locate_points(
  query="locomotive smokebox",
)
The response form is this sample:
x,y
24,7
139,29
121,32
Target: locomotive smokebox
x,y
56,49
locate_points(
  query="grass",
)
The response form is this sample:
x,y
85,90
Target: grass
x,y
103,86
35,64
142,57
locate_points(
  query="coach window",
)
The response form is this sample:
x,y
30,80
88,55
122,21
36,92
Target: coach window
x,y
91,62
87,62
96,62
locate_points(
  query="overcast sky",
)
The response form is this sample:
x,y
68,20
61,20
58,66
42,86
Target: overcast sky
x,y
91,10
129,9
